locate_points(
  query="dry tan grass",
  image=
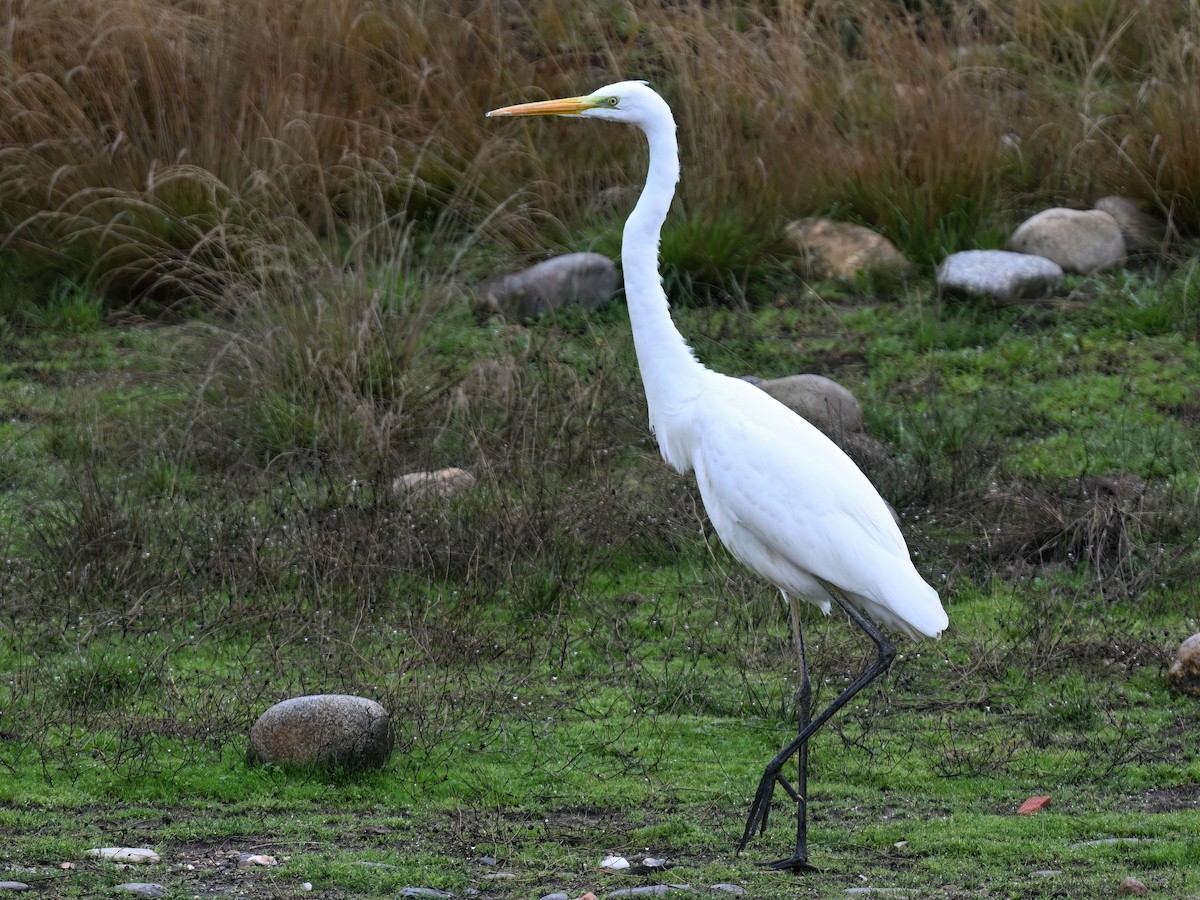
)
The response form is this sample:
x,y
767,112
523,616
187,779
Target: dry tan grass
x,y
195,150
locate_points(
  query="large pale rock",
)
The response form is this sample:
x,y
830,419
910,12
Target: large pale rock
x,y
1082,241
1142,232
821,400
322,731
586,279
1184,675
842,250
999,275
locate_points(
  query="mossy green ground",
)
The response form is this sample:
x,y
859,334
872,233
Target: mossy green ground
x,y
566,687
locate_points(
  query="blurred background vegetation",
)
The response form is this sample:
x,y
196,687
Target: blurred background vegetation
x,y
198,153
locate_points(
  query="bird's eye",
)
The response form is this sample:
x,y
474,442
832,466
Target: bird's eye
x,y
612,101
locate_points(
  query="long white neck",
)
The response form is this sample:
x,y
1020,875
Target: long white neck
x,y
671,375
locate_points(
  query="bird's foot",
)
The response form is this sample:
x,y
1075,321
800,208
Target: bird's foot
x,y
760,808
797,864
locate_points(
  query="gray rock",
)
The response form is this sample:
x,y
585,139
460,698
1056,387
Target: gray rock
x,y
842,250
326,731
585,279
1142,232
1082,241
1184,675
14,886
999,275
443,483
144,888
727,888
821,400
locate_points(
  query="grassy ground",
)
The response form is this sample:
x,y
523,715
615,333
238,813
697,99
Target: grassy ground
x,y
238,250
574,664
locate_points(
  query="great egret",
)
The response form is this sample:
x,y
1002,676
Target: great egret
x,y
785,500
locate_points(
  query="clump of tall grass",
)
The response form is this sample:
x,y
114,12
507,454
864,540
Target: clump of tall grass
x,y
179,152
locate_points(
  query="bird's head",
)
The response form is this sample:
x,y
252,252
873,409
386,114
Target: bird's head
x,y
626,101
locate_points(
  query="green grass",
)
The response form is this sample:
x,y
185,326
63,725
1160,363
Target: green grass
x,y
575,665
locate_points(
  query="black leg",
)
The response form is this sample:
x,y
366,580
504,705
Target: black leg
x,y
799,859
773,774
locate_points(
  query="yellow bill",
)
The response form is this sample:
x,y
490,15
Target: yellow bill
x,y
568,106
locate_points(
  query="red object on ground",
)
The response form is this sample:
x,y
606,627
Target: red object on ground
x,y
1032,805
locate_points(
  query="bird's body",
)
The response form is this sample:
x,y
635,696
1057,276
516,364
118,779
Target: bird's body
x,y
783,498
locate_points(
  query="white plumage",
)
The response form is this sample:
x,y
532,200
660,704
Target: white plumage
x,y
785,500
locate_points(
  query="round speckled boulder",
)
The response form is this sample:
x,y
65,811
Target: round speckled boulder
x,y
322,731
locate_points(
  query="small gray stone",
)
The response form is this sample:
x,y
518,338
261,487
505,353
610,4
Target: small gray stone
x,y
820,400
144,888
727,888
999,275
14,886
585,279
327,731
1079,240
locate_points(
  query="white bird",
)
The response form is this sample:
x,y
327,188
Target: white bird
x,y
785,500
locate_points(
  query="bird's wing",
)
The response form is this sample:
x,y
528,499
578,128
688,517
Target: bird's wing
x,y
790,505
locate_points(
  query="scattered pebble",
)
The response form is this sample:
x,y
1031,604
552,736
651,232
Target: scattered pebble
x,y
1132,886
143,888
559,896
13,886
307,886
728,888
489,861
614,863
653,862
256,859
125,854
